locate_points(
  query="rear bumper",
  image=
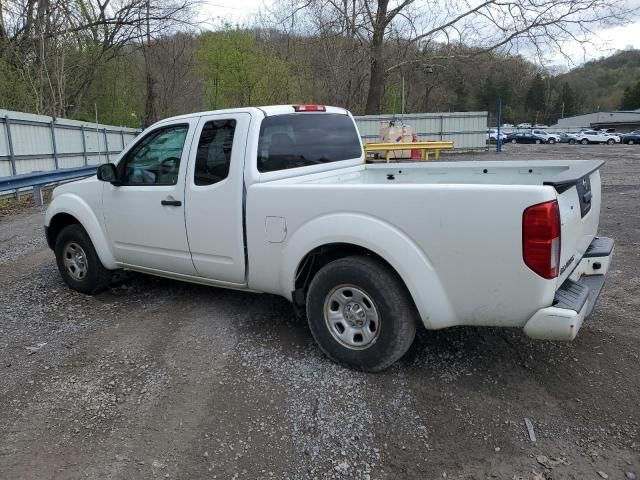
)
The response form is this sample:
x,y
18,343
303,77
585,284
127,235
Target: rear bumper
x,y
575,299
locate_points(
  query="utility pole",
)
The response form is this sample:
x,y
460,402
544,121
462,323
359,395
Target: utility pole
x,y
150,103
402,107
499,118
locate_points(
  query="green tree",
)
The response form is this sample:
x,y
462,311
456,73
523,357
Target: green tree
x,y
566,103
239,71
631,97
534,101
14,91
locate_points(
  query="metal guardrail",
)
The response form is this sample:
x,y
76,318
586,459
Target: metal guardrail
x,y
37,180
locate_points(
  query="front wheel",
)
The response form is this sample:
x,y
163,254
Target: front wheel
x,y
78,261
572,142
538,142
630,142
514,141
552,141
611,141
360,313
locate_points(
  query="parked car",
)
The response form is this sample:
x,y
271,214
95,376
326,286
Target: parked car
x,y
271,200
592,136
523,125
631,137
540,125
507,125
616,136
492,135
566,137
524,137
548,137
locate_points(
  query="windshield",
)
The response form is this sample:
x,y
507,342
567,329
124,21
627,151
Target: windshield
x,y
302,139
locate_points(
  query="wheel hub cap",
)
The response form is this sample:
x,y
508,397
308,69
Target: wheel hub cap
x,y
351,317
354,314
75,260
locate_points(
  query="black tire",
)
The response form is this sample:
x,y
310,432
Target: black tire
x,y
552,141
584,141
538,141
514,141
397,317
631,142
96,278
572,141
611,141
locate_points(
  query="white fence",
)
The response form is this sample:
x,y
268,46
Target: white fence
x,y
468,130
31,143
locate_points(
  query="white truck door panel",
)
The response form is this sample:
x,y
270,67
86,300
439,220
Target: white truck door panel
x,y
145,215
214,197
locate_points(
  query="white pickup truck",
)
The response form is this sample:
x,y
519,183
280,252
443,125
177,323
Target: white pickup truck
x,y
279,200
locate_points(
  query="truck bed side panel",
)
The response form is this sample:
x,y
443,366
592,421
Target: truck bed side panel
x,y
469,234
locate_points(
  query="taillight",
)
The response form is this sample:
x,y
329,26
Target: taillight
x,y
309,108
541,238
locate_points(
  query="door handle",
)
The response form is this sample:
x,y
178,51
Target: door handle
x,y
172,203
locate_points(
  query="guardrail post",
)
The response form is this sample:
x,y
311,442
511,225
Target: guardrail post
x,y
106,144
84,146
53,144
37,194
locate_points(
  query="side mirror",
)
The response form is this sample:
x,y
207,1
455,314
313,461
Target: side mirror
x,y
107,173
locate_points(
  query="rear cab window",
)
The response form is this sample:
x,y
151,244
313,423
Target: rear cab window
x,y
303,139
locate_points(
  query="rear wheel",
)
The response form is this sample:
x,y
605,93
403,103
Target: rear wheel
x,y
360,313
611,141
78,261
584,141
538,141
572,141
514,141
631,142
552,141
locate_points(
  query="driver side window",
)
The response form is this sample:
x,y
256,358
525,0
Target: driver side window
x,y
156,159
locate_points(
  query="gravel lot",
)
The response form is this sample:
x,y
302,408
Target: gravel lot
x,y
159,379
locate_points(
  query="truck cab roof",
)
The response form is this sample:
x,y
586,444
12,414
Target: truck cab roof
x,y
267,111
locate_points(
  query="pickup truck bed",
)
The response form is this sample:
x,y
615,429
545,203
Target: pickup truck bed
x,y
507,172
460,224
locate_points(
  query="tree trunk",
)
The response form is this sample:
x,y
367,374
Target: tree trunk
x,y
377,73
3,34
376,81
150,115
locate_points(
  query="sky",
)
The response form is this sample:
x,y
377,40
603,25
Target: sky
x,y
605,43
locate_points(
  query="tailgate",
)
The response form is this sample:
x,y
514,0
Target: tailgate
x,y
579,196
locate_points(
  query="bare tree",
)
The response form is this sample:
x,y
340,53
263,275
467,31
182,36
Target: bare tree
x,y
538,26
59,45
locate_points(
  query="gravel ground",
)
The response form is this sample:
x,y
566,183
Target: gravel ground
x,y
159,379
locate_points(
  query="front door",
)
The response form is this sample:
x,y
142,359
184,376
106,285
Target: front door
x,y
214,193
144,215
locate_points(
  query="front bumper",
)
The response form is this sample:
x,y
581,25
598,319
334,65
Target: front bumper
x,y
575,299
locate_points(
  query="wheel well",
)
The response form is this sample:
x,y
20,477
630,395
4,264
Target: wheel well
x,y
321,256
58,222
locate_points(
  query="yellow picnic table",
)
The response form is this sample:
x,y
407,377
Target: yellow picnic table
x,y
424,148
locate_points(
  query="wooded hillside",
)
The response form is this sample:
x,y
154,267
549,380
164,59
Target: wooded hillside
x,y
138,61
